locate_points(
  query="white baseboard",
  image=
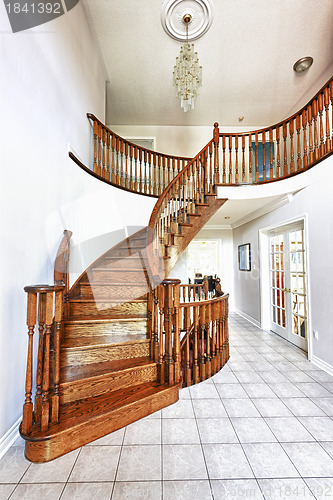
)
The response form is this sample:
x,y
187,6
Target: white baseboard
x,y
249,318
323,365
9,438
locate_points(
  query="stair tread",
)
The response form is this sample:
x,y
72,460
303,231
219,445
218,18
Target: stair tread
x,y
76,413
74,373
94,320
102,340
106,301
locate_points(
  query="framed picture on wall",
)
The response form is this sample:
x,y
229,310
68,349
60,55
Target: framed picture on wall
x,y
244,257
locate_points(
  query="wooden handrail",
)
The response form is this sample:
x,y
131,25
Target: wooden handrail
x,y
124,164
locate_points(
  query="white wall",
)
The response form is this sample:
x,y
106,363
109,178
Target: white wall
x,y
51,76
316,203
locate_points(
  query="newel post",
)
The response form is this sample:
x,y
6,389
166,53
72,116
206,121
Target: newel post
x,y
216,139
171,326
31,321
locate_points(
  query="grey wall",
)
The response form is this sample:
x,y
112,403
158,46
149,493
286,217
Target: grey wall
x,y
316,202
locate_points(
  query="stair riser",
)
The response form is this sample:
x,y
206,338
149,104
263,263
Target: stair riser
x,y
70,439
112,382
125,263
108,309
123,276
108,292
86,329
87,355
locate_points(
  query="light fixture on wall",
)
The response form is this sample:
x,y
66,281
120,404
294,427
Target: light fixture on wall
x,y
303,64
187,73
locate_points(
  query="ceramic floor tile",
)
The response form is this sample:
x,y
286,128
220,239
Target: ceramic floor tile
x,y
209,408
273,377
145,490
313,390
87,491
288,429
283,489
306,366
328,386
183,462
231,391
249,378
284,366
50,491
310,459
216,431
222,377
182,409
143,432
263,366
203,391
269,460
235,489
187,490
269,407
57,470
297,376
239,366
114,438
325,404
320,427
259,390
320,487
6,490
287,390
253,430
13,465
303,407
328,447
226,461
240,408
180,431
184,393
96,463
321,376
140,463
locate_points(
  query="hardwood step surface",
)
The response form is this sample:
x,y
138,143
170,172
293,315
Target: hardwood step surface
x,y
104,326
102,340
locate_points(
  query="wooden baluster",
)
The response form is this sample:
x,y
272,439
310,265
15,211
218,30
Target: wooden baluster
x,y
195,344
263,140
141,179
107,173
154,174
206,288
315,116
187,325
257,156
161,371
164,181
95,146
39,371
150,319
122,170
321,126
222,361
311,153
213,350
298,131
31,321
243,158
176,340
203,350
135,185
216,139
104,153
231,170
271,160
159,187
278,163
126,169
208,335
328,134
224,160
250,158
285,158
149,188
226,327
305,142
236,160
117,162
292,156
331,95
99,149
155,326
58,301
46,364
211,180
113,162
218,336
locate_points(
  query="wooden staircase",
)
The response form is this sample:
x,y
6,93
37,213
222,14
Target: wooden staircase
x,y
96,366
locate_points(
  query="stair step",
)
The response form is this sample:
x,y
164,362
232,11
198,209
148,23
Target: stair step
x,y
82,382
87,327
186,224
83,421
122,263
106,292
107,339
115,275
115,308
78,352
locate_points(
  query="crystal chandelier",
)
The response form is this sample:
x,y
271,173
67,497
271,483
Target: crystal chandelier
x,y
187,74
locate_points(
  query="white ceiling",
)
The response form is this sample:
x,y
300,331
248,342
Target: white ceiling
x,y
247,57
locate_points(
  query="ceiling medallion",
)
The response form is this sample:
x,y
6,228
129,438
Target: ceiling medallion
x,y
172,15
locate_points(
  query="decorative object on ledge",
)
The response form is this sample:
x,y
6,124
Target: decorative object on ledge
x,y
187,74
244,257
303,64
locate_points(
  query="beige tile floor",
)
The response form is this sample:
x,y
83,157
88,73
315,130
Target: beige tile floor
x,y
260,428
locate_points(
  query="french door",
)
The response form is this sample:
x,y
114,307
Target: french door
x,y
288,284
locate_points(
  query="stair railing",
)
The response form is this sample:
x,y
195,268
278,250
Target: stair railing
x,y
129,166
189,339
45,314
280,151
